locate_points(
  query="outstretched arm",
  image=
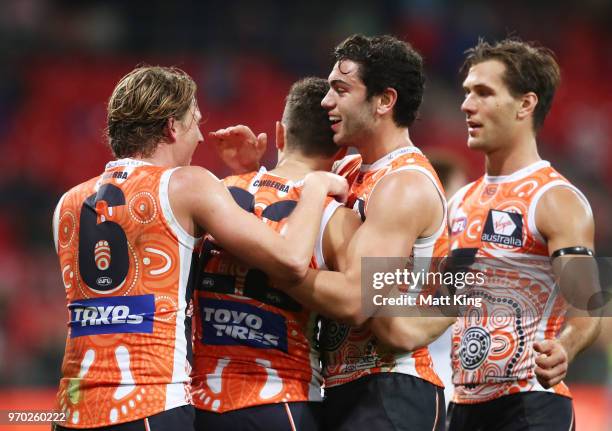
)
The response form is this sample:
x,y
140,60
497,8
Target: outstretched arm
x,y
406,334
575,228
199,199
401,209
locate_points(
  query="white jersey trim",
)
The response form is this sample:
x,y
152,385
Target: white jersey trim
x,y
431,239
184,238
55,223
252,189
328,212
388,158
533,206
456,200
177,392
517,175
343,162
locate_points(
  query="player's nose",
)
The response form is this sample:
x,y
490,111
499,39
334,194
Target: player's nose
x,y
328,102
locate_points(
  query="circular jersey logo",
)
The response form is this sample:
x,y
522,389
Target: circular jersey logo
x,y
475,346
332,335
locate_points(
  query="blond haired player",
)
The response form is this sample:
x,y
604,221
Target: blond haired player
x,y
517,221
125,241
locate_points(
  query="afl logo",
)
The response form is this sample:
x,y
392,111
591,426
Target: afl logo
x,y
104,281
208,282
332,335
102,255
474,349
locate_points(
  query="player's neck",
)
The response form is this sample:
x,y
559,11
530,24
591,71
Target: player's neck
x,y
163,156
295,166
508,160
386,141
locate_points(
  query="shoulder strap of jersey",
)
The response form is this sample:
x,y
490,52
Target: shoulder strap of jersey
x,y
457,198
328,212
533,205
56,217
183,236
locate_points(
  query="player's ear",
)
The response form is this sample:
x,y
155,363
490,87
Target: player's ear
x,y
170,130
528,102
386,101
280,136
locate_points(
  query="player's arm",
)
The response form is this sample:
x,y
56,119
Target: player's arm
x,y
406,334
199,199
397,214
336,239
566,221
411,333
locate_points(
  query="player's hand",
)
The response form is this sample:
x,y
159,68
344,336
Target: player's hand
x,y
239,148
335,185
551,362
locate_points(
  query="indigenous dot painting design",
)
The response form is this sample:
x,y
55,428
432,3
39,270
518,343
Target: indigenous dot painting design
x,y
125,274
492,347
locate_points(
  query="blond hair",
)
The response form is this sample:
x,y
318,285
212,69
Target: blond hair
x,y
141,105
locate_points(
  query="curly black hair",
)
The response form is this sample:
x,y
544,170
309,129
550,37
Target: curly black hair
x,y
387,62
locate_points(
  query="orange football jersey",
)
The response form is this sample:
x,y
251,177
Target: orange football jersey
x,y
253,343
352,352
493,220
126,266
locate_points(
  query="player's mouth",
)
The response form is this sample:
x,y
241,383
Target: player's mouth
x,y
335,122
473,127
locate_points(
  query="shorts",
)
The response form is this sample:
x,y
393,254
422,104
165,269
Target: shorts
x,y
532,411
178,418
298,416
384,401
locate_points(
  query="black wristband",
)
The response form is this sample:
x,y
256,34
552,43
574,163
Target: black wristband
x,y
576,250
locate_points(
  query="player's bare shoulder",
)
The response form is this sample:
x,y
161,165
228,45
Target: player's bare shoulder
x,y
407,193
563,211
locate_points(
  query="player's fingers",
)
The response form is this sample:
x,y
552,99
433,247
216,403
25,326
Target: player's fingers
x,y
548,361
218,132
543,346
549,374
262,142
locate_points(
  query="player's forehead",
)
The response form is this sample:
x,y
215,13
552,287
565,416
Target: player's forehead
x,y
194,109
488,73
346,71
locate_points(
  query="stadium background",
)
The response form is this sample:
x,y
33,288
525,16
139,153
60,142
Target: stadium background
x,y
61,60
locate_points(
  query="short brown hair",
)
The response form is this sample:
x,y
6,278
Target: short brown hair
x,y
529,67
140,106
306,121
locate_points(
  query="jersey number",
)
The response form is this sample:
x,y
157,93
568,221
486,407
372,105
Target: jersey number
x,y
256,284
103,249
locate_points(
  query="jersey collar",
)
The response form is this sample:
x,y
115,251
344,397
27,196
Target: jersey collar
x,y
388,158
517,175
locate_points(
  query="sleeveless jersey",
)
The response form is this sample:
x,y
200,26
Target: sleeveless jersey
x,y
493,219
352,352
254,344
126,269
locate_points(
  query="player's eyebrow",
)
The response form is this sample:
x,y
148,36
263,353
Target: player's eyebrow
x,y
336,82
478,86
